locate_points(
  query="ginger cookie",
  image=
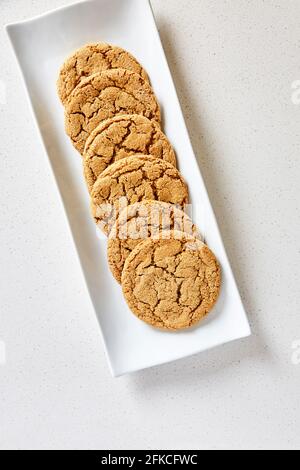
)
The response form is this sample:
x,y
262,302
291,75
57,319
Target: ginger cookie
x,y
135,179
91,59
148,219
171,284
105,95
121,137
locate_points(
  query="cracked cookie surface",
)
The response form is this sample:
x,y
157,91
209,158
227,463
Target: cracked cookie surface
x,y
121,137
132,180
171,284
105,95
140,221
91,59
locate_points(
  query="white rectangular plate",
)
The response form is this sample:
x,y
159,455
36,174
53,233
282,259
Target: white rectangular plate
x,y
131,345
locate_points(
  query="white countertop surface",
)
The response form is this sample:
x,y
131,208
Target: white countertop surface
x,y
234,63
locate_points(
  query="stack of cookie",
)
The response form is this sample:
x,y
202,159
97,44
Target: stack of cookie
x,y
170,279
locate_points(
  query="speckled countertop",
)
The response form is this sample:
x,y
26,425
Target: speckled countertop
x,y
236,67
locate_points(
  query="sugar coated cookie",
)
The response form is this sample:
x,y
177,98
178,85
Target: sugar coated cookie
x,y
140,221
171,284
105,95
91,59
121,137
135,179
